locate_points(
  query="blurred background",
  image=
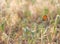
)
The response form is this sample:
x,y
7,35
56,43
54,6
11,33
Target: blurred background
x,y
29,21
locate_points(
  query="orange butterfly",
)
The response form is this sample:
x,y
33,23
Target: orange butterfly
x,y
44,17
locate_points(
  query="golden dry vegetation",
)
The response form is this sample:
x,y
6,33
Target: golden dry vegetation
x,y
29,21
